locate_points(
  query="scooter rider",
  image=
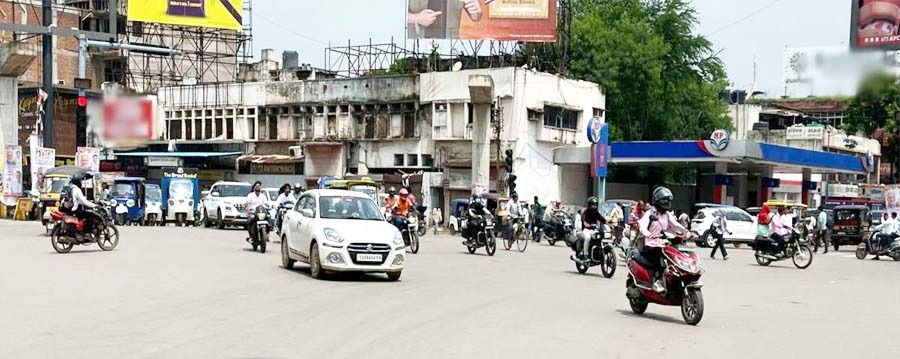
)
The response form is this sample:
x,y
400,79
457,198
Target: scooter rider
x,y
657,220
253,200
82,207
285,196
591,221
890,230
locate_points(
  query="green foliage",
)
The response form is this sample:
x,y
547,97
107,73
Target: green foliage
x,y
661,80
875,111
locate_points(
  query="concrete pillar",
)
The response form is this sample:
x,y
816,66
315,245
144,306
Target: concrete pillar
x,y
481,92
721,189
15,59
806,187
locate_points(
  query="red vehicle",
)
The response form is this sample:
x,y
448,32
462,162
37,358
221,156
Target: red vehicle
x,y
69,231
681,279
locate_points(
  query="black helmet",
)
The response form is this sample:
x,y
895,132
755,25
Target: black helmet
x,y
76,180
662,198
593,202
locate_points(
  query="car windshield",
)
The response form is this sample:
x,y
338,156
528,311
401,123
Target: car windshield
x,y
55,184
181,188
272,193
121,190
367,190
154,194
846,215
340,207
237,190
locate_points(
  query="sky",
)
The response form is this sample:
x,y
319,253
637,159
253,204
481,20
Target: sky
x,y
740,30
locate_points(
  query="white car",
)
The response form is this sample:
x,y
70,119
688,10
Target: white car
x,y
341,231
271,194
741,224
225,204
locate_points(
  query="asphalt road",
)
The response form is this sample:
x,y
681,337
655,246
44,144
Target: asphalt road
x,y
200,293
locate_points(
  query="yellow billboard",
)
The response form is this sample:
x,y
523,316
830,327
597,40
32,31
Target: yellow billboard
x,y
221,14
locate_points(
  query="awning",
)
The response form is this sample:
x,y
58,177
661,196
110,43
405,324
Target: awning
x,y
178,154
270,159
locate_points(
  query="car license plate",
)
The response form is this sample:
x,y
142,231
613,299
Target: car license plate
x,y
842,233
362,257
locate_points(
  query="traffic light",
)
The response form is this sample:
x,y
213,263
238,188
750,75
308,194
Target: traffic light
x,y
511,183
508,161
81,121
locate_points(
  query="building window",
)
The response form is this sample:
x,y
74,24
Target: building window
x,y
558,117
175,130
535,115
427,161
412,160
398,160
598,112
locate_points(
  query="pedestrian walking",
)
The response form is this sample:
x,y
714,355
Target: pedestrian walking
x,y
719,228
437,217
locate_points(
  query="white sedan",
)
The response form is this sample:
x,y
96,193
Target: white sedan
x,y
341,231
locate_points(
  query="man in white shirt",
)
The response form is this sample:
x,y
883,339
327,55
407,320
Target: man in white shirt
x,y
780,227
253,200
890,230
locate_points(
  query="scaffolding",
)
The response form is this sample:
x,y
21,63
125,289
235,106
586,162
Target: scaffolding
x,y
426,56
207,55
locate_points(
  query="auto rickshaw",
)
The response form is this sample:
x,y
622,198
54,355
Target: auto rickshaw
x,y
128,192
457,218
153,214
55,179
364,185
850,225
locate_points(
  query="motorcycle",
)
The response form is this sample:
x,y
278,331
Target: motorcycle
x,y
279,216
681,282
871,246
69,231
602,253
422,227
410,232
261,235
484,237
796,248
567,230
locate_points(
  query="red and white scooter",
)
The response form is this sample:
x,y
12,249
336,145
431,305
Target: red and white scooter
x,y
681,281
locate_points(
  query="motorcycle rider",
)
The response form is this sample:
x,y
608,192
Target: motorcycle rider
x,y
253,200
82,207
550,218
390,199
780,227
476,209
591,221
890,230
298,190
401,207
658,219
285,196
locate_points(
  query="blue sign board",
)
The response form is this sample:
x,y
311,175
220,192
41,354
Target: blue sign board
x,y
598,134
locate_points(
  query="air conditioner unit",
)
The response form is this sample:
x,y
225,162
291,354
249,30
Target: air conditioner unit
x,y
296,151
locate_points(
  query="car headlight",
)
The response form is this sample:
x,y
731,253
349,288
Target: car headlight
x,y
171,202
398,238
333,235
229,208
129,203
191,203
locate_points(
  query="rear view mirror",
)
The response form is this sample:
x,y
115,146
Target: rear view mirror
x,y
215,194
306,212
204,193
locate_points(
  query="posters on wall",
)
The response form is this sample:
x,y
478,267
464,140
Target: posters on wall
x,y
88,157
12,174
42,159
892,199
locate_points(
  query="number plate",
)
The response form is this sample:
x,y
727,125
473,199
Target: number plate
x,y
842,233
362,257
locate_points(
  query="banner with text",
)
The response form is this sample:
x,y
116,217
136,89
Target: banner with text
x,y
221,14
42,159
88,157
505,20
12,174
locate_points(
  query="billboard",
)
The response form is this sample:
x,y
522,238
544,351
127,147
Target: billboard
x,y
12,174
874,24
221,14
831,70
128,120
88,157
892,199
42,159
504,20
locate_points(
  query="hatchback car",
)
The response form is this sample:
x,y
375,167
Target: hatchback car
x,y
341,231
741,224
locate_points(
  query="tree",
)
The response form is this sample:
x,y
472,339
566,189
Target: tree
x,y
874,112
661,80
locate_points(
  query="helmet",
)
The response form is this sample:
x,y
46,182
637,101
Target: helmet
x,y
662,198
593,202
392,191
403,192
76,180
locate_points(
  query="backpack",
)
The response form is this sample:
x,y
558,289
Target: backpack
x,y
66,199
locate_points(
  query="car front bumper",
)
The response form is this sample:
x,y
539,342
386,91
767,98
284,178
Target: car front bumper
x,y
345,259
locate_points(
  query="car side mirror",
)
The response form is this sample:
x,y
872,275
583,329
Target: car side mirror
x,y
306,212
214,194
204,193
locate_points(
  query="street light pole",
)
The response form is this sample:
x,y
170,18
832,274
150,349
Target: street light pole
x,y
47,66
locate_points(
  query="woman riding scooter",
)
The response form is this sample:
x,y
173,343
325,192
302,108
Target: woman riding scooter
x,y
656,221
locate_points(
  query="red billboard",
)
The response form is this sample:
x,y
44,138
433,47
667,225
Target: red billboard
x,y
504,20
875,24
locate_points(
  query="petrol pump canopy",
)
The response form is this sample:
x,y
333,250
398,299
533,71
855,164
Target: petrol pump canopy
x,y
744,154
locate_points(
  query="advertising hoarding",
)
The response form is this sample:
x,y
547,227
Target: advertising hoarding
x,y
874,24
12,174
892,199
42,159
504,20
220,14
128,120
88,157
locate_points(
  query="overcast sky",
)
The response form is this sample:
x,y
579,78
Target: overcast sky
x,y
741,30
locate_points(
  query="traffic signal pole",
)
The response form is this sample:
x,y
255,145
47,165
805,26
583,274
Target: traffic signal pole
x,y
47,66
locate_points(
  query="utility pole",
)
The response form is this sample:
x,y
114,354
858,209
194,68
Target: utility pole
x,y
47,65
